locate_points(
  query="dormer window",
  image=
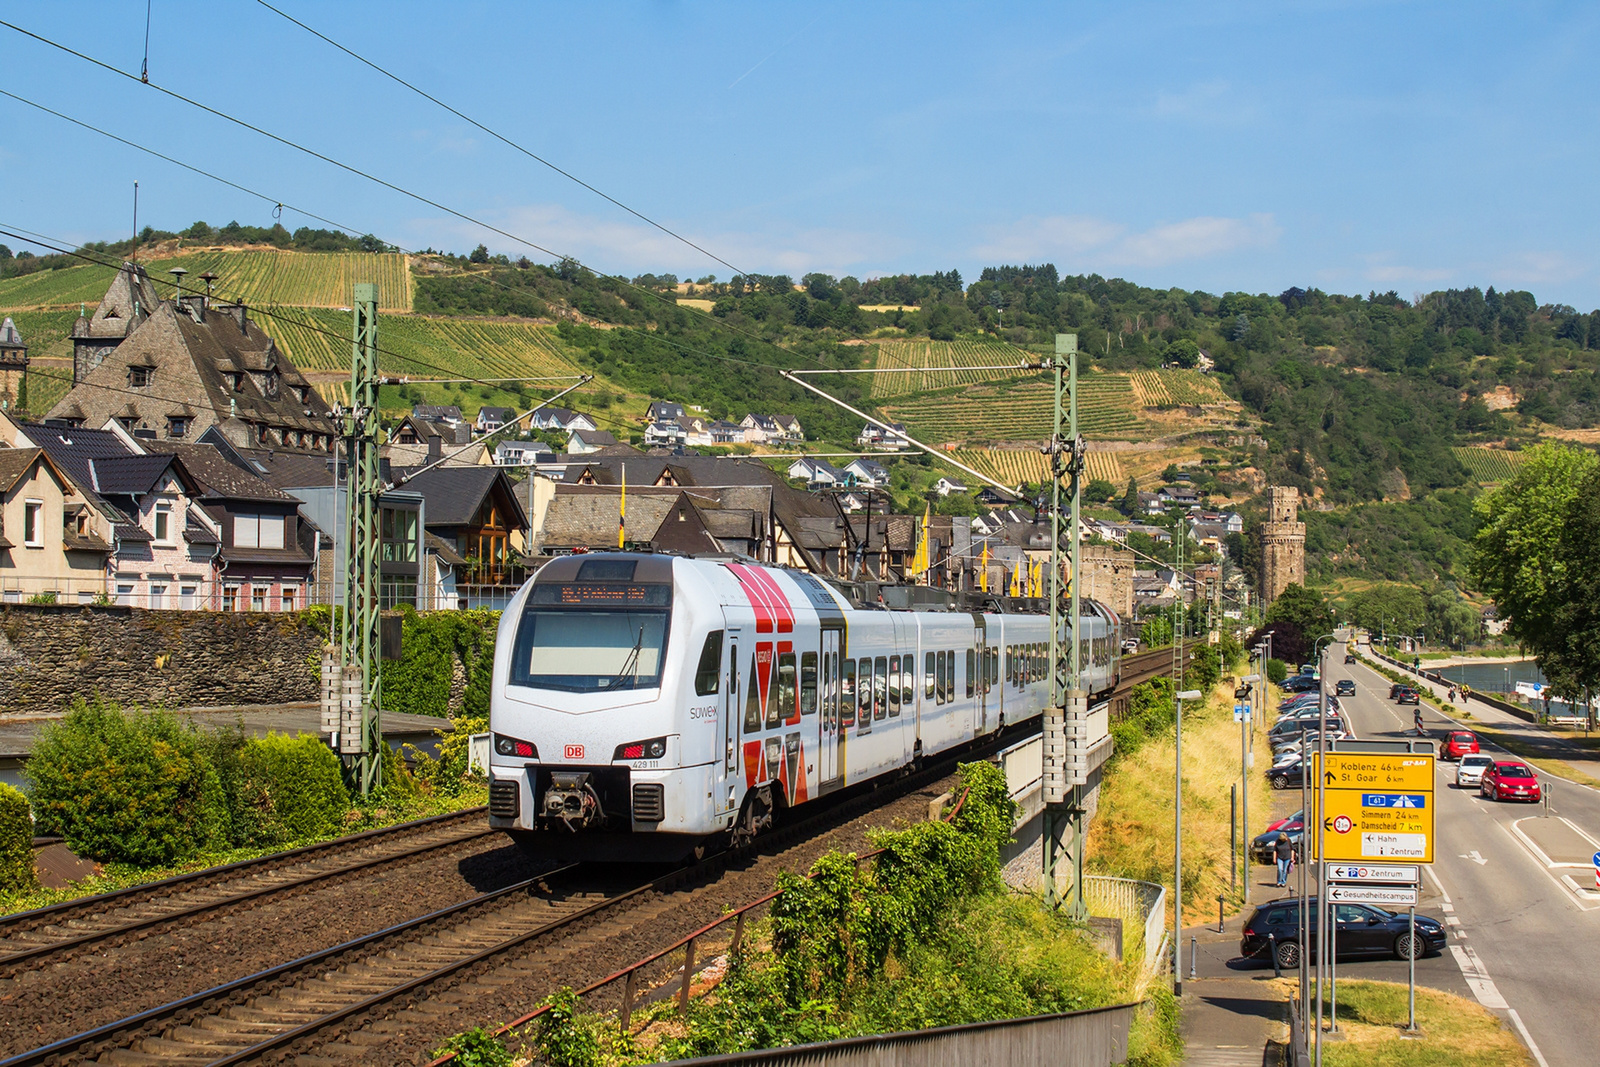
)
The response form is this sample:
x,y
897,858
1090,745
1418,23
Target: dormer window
x,y
140,377
236,382
177,426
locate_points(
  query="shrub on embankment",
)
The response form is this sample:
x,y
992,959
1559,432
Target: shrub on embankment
x,y
137,787
280,789
16,842
925,934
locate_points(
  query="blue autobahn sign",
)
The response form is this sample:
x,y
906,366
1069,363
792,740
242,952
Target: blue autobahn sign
x,y
1394,800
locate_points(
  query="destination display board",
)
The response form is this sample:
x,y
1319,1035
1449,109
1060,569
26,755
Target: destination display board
x,y
1376,806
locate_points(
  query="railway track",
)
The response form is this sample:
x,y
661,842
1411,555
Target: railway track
x,y
46,935
326,1007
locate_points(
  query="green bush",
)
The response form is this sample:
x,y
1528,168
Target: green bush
x,y
129,787
16,842
1277,670
286,789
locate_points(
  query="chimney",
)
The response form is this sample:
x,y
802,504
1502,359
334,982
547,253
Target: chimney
x,y
240,317
435,447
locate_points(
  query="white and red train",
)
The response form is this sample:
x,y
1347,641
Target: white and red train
x,y
651,706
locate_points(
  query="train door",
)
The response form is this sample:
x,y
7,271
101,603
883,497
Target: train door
x,y
726,788
980,710
830,760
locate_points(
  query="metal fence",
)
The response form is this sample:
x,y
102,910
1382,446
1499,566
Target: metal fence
x,y
1094,1038
1142,907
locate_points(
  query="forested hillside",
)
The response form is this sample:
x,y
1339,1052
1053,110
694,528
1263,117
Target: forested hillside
x,y
1388,414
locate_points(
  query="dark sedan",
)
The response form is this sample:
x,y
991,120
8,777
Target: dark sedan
x,y
1364,930
1345,688
1301,683
1349,657
1407,695
1261,848
1286,775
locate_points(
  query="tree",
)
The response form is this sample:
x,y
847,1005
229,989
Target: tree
x,y
1306,608
1098,491
1130,498
1517,555
1183,353
480,254
1170,473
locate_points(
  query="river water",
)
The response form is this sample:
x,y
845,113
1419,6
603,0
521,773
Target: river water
x,y
1490,677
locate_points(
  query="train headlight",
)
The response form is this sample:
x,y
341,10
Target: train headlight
x,y
654,748
511,746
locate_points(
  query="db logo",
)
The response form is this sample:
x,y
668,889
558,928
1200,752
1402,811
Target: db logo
x,y
1343,825
572,752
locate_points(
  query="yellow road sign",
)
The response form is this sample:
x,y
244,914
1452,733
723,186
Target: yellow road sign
x,y
1376,806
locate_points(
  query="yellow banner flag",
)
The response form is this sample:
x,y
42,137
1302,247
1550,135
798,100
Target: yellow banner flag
x,y
983,569
622,512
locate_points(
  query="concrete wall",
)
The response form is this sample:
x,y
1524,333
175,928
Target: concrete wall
x,y
51,655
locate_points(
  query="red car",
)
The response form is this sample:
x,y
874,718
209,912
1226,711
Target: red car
x,y
1509,780
1460,743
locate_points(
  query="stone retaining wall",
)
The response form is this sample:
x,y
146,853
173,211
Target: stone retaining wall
x,y
51,655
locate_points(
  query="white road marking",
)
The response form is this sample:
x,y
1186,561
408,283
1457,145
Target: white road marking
x,y
1545,867
1474,857
1523,1030
1451,920
1478,979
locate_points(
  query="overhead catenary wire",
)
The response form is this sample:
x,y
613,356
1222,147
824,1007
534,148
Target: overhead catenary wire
x,y
502,138
393,187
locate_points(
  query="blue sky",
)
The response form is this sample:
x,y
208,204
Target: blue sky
x,y
1350,146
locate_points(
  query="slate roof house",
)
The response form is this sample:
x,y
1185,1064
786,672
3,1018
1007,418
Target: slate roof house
x,y
53,541
476,514
164,546
268,554
491,419
185,365
128,301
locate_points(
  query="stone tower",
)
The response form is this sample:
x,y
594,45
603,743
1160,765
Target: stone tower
x,y
1283,544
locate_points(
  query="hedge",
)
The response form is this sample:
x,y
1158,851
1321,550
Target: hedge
x,y
16,842
286,789
135,788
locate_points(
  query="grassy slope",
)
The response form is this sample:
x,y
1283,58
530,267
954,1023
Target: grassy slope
x,y
305,289
1132,833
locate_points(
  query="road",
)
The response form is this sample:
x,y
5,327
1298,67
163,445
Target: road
x,y
1514,882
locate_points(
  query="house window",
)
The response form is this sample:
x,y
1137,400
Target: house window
x,y
287,598
177,426
258,531
158,596
230,598
399,529
258,597
140,377
163,517
187,597
33,523
125,594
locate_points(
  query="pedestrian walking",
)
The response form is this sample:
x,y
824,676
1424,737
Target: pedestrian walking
x,y
1283,852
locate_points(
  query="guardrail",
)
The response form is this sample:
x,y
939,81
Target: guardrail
x,y
1522,713
1140,906
1097,1037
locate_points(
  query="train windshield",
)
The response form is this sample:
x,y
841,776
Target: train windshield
x,y
567,642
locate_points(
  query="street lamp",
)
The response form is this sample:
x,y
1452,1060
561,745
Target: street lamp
x,y
1177,844
1249,681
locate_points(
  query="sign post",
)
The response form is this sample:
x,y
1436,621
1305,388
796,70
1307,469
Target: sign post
x,y
1378,806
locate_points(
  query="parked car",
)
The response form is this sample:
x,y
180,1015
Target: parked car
x,y
1364,930
1287,774
1345,688
1301,683
1459,743
1509,780
1307,742
1130,644
1469,772
1290,728
1407,695
1262,845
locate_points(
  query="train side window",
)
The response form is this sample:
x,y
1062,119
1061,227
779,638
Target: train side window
x,y
972,671
847,696
864,687
710,669
752,705
880,687
808,683
908,683
782,705
991,668
894,684
927,672
947,664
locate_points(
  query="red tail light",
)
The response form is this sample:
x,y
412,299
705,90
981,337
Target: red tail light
x,y
635,751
